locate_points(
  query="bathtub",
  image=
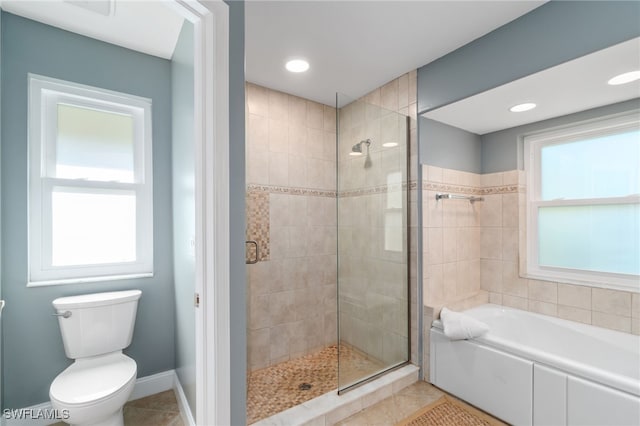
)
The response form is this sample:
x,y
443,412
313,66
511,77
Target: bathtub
x,y
531,369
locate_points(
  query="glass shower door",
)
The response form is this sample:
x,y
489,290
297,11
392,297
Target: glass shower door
x,y
373,298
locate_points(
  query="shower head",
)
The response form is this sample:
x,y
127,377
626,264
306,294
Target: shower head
x,y
357,148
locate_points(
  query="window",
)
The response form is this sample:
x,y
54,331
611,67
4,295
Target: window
x,y
90,184
583,203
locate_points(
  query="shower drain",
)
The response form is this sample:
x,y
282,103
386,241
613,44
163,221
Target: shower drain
x,y
305,386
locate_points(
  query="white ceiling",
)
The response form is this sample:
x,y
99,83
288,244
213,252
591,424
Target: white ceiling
x,y
146,26
352,46
355,46
574,86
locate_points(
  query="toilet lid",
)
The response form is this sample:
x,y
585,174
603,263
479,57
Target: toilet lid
x,y
89,380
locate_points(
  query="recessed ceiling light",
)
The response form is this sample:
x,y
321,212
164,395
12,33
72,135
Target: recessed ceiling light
x,y
297,65
390,144
522,107
627,77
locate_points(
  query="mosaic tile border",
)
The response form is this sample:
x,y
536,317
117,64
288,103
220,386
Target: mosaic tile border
x,y
472,190
290,190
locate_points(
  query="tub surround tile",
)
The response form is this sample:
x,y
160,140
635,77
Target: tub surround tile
x,y
515,302
611,302
491,179
577,296
613,322
510,243
491,275
572,313
495,298
512,284
543,291
635,305
550,309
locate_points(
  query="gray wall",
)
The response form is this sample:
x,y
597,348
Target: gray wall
x,y
449,147
1,362
555,32
184,226
32,347
552,34
504,150
237,214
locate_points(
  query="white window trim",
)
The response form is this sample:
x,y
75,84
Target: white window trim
x,y
44,94
533,144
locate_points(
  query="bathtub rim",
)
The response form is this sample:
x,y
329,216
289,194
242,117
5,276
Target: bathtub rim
x,y
614,380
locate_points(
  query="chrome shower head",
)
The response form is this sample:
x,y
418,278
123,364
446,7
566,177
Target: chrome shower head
x,y
357,148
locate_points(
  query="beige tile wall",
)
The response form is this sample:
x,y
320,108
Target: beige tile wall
x,y
451,237
501,218
291,296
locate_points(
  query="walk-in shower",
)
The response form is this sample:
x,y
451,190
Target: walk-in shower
x,y
327,248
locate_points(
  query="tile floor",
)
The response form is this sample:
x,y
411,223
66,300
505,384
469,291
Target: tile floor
x,y
398,407
277,388
160,409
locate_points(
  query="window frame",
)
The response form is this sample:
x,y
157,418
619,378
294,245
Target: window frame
x,y
44,95
533,144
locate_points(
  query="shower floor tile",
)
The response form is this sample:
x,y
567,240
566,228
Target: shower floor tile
x,y
277,388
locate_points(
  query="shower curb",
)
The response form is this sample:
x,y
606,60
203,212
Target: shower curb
x,y
330,408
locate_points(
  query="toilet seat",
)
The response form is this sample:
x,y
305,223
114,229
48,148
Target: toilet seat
x,y
92,380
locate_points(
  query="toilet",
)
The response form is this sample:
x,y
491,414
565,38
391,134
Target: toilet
x,y
95,329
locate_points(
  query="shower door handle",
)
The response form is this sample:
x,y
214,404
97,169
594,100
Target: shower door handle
x,y
255,243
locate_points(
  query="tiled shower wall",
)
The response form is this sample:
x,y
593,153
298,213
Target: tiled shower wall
x,y
291,209
458,235
374,304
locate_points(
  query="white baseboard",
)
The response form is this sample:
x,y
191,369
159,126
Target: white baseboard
x,y
148,385
185,411
39,415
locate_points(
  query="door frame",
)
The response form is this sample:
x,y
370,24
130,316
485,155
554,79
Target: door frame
x,y
211,119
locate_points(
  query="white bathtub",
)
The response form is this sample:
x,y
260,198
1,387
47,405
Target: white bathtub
x,y
540,370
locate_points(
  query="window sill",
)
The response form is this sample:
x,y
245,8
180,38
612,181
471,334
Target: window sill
x,y
89,279
611,283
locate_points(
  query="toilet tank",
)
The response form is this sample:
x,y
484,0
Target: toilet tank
x,y
99,323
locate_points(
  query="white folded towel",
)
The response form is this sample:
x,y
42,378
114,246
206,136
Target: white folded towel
x,y
458,326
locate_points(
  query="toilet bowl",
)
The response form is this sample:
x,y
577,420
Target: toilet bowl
x,y
95,328
93,391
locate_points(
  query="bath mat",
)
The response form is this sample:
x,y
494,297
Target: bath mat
x,y
448,411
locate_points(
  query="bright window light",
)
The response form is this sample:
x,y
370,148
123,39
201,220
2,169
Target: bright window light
x,y
79,220
90,184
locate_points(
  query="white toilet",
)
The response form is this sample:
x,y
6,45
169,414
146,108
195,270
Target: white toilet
x,y
95,328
